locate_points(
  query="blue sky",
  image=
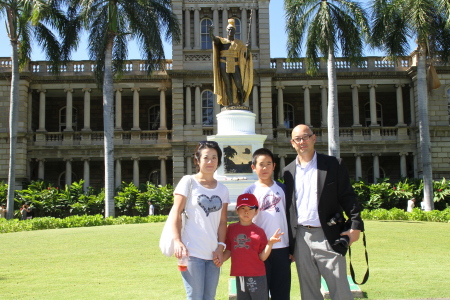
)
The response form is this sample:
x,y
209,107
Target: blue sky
x,y
277,39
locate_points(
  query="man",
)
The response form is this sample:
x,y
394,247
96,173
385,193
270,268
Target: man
x,y
232,68
317,188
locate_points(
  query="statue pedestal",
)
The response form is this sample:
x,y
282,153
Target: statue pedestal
x,y
237,139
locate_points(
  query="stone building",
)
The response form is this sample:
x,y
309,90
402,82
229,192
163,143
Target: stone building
x,y
159,119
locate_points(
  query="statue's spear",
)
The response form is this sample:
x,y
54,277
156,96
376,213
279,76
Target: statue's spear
x,y
249,29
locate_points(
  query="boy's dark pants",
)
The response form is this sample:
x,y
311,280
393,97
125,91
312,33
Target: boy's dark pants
x,y
252,288
278,272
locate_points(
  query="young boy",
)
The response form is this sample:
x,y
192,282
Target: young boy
x,y
248,247
272,215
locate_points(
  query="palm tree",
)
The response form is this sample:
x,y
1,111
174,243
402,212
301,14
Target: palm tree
x,y
326,27
110,24
27,20
396,21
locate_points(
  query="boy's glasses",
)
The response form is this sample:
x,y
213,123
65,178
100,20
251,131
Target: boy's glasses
x,y
304,138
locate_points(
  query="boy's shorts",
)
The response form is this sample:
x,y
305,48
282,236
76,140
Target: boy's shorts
x,y
251,288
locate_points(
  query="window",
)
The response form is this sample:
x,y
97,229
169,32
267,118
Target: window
x,y
204,34
370,177
379,114
207,108
62,119
153,117
288,115
154,177
237,24
62,179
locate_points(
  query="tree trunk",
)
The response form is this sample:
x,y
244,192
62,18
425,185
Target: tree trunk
x,y
424,131
13,114
108,124
333,111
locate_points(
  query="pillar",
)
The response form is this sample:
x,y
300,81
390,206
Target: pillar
x,y
254,42
135,108
41,168
307,104
69,110
280,110
224,21
188,107
255,99
198,105
163,170
400,114
162,108
324,102
30,111
244,25
87,109
118,109
376,167
216,21
68,171
282,163
187,28
42,110
416,165
412,106
86,173
118,177
135,170
373,105
188,164
358,171
355,104
196,28
403,171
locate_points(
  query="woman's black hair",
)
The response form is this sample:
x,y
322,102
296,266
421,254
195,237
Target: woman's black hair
x,y
204,145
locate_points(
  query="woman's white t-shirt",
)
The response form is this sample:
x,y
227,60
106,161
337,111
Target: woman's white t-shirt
x,y
204,210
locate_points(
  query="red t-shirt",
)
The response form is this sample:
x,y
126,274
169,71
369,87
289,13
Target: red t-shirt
x,y
245,244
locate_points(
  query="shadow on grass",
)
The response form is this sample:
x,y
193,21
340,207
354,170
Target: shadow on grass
x,y
402,221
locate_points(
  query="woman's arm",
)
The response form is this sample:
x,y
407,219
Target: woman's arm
x,y
221,234
179,202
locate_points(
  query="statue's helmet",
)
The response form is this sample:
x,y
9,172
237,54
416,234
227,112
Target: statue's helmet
x,y
231,24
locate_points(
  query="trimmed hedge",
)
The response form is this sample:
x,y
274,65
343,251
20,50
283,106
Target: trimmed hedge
x,y
401,215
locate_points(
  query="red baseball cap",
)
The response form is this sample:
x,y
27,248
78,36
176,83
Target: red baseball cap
x,y
247,200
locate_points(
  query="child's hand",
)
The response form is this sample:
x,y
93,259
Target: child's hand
x,y
276,237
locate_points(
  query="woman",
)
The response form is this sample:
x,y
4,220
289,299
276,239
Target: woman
x,y
205,201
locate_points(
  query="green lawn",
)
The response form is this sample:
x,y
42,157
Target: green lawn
x,y
407,260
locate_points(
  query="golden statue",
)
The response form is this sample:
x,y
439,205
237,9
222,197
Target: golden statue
x,y
232,68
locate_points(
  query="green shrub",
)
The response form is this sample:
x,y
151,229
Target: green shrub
x,y
399,214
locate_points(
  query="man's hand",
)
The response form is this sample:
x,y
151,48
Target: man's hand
x,y
353,235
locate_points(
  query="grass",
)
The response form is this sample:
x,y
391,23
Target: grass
x,y
407,260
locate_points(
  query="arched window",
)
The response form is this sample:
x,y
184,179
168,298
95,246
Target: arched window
x,y
153,117
237,24
207,108
62,179
62,119
204,34
370,178
379,114
288,115
154,177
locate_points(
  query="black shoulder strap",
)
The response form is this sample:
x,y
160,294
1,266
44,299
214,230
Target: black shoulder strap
x,y
352,272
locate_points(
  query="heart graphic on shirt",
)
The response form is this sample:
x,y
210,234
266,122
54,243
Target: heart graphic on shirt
x,y
209,205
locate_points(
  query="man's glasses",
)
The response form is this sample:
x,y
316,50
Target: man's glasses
x,y
304,138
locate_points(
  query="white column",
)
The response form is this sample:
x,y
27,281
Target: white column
x,y
282,162
41,110
355,103
196,28
280,110
216,108
324,101
358,173
163,170
373,105
244,24
135,108
162,108
399,93
412,106
28,169
376,167
403,172
135,170
416,164
118,108
41,168
187,28
254,42
224,21
30,111
255,103
87,109
216,21
307,104
69,109
118,176
86,173
188,164
198,105
188,108
68,171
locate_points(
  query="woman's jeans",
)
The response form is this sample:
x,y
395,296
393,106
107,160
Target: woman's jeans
x,y
201,279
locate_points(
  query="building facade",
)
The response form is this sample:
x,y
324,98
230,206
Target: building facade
x,y
159,119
